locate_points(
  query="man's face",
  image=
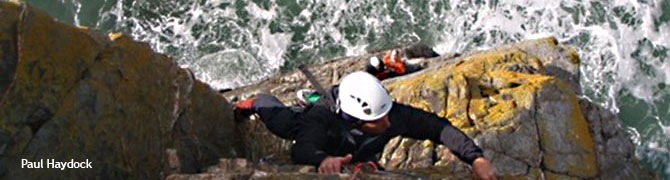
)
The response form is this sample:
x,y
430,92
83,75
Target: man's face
x,y
377,126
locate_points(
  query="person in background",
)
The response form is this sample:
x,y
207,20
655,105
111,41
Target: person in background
x,y
395,62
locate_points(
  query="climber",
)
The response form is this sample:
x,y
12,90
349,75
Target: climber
x,y
357,126
396,62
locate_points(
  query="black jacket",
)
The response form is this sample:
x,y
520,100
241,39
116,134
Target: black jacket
x,y
321,133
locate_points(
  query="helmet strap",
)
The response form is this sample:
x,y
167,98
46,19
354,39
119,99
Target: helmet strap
x,y
352,121
356,124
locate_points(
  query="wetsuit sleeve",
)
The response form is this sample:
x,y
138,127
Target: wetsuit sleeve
x,y
460,144
279,119
310,141
424,125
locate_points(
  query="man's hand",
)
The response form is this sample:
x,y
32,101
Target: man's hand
x,y
333,165
483,169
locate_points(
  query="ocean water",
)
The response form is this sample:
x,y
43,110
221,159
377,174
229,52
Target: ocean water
x,y
624,44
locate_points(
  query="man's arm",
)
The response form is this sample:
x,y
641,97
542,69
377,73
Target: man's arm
x,y
425,125
460,144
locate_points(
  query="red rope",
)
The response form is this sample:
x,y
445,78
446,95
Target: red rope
x,y
358,166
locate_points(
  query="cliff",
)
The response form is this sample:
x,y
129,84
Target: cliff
x,y
75,93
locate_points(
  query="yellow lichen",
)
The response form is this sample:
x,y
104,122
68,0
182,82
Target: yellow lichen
x,y
427,143
114,36
574,56
580,134
583,162
471,97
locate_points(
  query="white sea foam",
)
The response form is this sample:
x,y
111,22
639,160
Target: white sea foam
x,y
274,46
261,13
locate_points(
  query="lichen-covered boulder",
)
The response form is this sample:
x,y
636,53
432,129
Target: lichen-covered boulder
x,y
72,93
519,103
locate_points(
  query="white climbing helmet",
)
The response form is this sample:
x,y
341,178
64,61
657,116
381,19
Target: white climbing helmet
x,y
362,96
375,62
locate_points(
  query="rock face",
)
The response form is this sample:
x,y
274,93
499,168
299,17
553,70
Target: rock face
x,y
528,123
614,147
518,102
73,93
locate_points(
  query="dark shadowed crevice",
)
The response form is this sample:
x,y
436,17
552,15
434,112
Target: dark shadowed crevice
x,y
537,129
514,85
38,118
471,122
36,121
8,61
9,54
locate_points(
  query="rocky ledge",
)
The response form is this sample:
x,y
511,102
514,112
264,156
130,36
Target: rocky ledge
x,y
75,93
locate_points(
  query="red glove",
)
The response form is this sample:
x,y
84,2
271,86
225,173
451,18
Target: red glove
x,y
242,109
